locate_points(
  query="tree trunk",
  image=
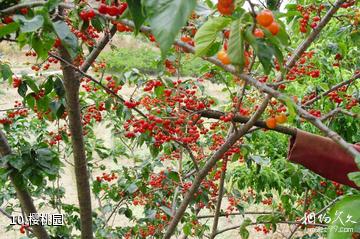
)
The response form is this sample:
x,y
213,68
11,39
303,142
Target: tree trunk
x,y
72,85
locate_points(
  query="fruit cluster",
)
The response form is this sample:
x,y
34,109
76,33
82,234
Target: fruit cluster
x,y
306,12
266,19
272,122
262,228
113,10
106,177
87,15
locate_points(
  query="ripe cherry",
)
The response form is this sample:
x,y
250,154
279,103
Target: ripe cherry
x,y
24,11
225,8
103,8
258,33
274,28
223,57
265,18
83,15
281,118
112,11
271,123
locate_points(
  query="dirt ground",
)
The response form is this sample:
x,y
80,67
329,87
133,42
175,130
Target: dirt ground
x,y
7,97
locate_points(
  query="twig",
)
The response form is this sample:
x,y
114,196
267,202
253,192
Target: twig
x,y
5,213
218,203
98,48
95,81
335,87
113,211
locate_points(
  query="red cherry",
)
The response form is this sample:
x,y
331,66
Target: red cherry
x,y
8,20
103,8
122,8
83,15
90,14
112,11
24,11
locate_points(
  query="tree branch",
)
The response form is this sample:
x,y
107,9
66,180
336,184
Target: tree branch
x,y
122,100
218,204
335,87
214,114
98,48
231,140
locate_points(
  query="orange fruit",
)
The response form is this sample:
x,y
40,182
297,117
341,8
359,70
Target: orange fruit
x,y
281,118
265,18
271,123
274,28
226,10
223,57
258,33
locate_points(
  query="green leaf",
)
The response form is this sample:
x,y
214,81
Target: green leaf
x,y
159,91
236,45
59,87
51,4
5,71
340,213
98,23
30,100
265,54
166,18
22,89
187,229
42,44
167,211
206,35
36,179
355,36
291,108
137,13
49,85
355,177
68,39
29,25
8,28
244,233
31,83
263,51
174,176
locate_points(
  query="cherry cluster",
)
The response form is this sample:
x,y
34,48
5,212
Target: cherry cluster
x,y
113,10
93,112
57,137
87,15
21,112
262,229
306,12
152,84
106,177
23,228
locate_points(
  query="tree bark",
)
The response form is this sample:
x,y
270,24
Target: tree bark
x,y
22,194
72,85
